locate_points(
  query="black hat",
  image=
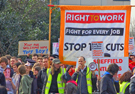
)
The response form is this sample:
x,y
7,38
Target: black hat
x,y
54,56
66,76
107,55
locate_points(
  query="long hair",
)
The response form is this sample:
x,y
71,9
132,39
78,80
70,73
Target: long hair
x,y
53,69
125,77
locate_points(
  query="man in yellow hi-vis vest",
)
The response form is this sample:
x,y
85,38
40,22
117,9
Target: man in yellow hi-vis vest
x,y
83,77
53,82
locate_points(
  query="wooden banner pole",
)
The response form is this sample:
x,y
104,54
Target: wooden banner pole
x,y
98,67
50,11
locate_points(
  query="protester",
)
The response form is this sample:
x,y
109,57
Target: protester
x,y
34,57
71,85
36,71
2,79
13,60
30,73
51,59
26,81
3,90
10,83
8,57
108,85
16,76
42,75
71,70
40,61
132,61
83,77
124,82
35,65
51,84
19,60
4,65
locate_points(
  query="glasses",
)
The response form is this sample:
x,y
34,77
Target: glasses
x,y
51,59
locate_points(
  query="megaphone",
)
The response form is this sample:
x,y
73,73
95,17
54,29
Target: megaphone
x,y
93,66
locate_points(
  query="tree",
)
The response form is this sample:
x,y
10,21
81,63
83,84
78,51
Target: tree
x,y
25,20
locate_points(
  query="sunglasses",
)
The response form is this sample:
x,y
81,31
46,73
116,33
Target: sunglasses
x,y
51,59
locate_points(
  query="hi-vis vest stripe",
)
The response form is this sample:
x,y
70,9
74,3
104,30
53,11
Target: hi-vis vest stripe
x,y
60,85
123,87
89,82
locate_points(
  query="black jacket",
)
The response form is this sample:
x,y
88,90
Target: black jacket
x,y
40,79
2,79
3,90
108,85
34,83
127,90
132,85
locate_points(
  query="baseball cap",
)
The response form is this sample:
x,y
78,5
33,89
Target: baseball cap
x,y
56,61
27,64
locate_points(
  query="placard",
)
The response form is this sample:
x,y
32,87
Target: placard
x,y
33,47
97,49
56,48
131,44
120,61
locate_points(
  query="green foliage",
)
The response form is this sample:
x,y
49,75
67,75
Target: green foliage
x,y
22,20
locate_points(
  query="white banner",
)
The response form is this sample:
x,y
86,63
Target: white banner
x,y
79,35
81,25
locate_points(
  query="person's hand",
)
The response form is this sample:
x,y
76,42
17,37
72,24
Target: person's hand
x,y
69,67
99,78
41,54
79,68
28,54
10,79
115,77
7,89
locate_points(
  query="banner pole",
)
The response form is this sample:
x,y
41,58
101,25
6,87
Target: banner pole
x,y
99,67
76,5
50,11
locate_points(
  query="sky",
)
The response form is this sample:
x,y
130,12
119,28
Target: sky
x,y
133,10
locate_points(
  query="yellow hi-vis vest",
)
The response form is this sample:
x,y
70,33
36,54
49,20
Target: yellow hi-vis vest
x,y
88,79
123,87
60,85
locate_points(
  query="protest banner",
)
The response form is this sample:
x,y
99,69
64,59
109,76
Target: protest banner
x,y
131,44
33,47
56,48
80,25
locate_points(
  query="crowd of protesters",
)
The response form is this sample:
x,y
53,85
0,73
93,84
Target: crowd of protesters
x,y
47,75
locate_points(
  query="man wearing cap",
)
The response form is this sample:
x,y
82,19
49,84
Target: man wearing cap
x,y
53,82
84,78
